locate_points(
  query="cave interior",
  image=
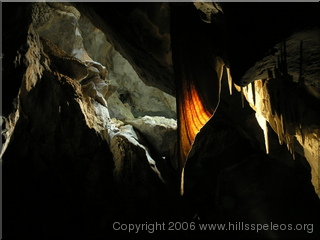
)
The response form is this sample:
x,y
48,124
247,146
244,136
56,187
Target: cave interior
x,y
166,113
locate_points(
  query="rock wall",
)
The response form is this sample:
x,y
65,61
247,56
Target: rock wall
x,y
79,38
134,94
141,33
62,153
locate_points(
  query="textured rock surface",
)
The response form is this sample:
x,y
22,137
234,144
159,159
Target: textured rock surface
x,y
159,131
228,166
143,100
296,67
54,170
249,41
118,147
127,95
55,181
296,125
64,26
288,112
127,27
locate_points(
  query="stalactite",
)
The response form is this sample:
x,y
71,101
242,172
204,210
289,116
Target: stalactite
x,y
277,130
229,80
250,93
256,96
263,124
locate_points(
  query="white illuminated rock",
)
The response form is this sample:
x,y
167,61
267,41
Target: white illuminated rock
x,y
160,132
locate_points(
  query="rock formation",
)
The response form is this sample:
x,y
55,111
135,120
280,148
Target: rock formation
x,y
196,105
289,112
105,104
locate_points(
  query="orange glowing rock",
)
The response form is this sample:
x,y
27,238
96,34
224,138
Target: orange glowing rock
x,y
196,105
199,59
194,118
